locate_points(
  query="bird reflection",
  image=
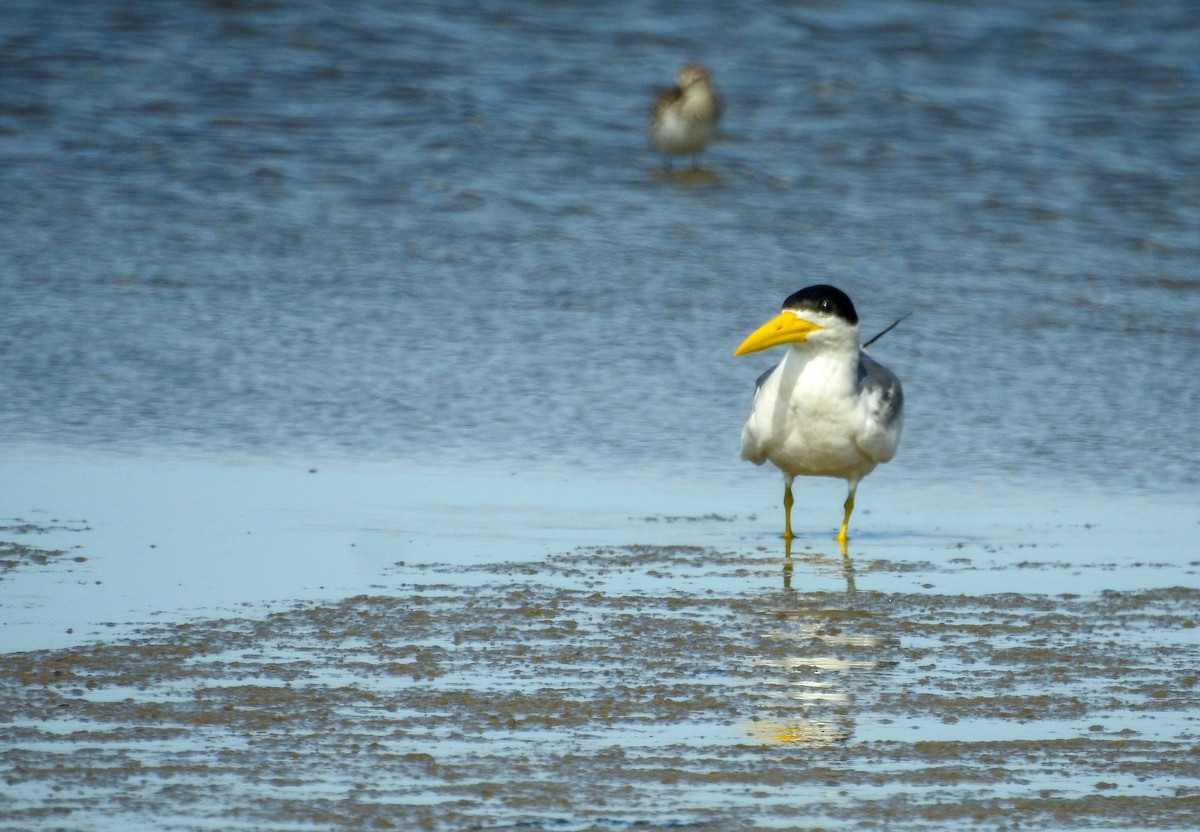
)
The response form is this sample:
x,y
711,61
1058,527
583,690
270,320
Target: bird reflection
x,y
819,649
845,565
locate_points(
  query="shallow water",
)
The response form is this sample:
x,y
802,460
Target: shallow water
x,y
303,647
515,704
371,422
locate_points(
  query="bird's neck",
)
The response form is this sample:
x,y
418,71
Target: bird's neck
x,y
835,363
697,97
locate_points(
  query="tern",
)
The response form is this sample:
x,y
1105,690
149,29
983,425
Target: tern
x,y
827,409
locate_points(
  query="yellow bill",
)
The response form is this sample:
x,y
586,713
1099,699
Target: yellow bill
x,y
785,328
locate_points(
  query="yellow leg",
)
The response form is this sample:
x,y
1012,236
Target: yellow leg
x,y
787,510
849,507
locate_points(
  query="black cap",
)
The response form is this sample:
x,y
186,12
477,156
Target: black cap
x,y
822,298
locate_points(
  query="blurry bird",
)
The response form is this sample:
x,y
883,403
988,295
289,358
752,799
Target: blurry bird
x,y
827,409
684,116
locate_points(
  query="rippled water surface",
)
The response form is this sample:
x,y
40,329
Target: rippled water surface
x,y
370,417
434,231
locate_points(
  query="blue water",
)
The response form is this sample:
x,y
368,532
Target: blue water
x,y
312,311
436,232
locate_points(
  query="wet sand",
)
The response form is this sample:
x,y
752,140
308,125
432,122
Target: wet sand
x,y
1036,674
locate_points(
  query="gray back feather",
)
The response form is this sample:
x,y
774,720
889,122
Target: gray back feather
x,y
758,382
873,376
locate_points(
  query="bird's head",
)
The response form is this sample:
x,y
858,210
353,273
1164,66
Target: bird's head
x,y
690,74
822,313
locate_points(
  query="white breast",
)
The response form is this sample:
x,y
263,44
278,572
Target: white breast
x,y
806,417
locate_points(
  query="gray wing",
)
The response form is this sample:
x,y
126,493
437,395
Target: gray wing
x,y
753,447
665,99
875,378
884,402
758,382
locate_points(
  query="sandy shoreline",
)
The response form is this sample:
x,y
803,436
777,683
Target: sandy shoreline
x,y
300,649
